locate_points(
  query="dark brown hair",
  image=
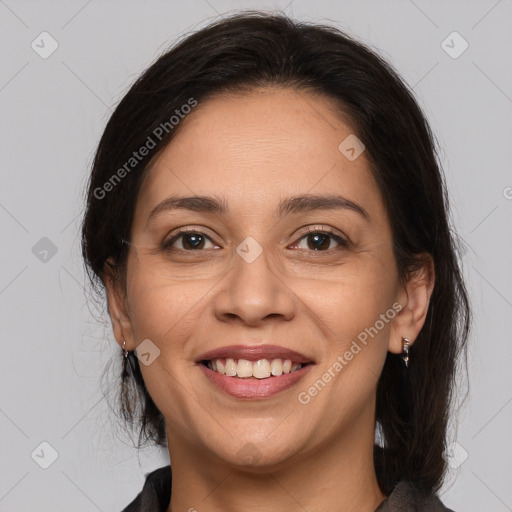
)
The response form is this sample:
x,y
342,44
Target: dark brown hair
x,y
253,49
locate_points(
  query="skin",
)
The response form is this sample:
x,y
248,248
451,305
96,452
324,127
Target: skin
x,y
254,150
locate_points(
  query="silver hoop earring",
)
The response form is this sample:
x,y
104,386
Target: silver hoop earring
x,y
125,352
406,343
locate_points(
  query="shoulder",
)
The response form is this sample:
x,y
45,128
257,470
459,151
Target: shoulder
x,y
156,493
411,497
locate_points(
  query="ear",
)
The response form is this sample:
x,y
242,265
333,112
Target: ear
x,y
414,297
116,298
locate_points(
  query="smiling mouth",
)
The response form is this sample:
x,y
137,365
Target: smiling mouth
x,y
259,369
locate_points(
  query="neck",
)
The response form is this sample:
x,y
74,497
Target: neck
x,y
339,475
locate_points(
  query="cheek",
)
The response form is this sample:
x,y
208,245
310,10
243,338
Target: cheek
x,y
354,313
169,316
345,306
163,311
365,319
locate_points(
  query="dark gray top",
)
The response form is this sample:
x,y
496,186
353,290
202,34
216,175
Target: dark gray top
x,y
406,496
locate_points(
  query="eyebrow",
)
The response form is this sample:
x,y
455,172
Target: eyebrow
x,y
295,204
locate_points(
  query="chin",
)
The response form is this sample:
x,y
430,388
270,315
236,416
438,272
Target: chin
x,y
260,457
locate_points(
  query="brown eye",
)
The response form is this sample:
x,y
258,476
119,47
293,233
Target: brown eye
x,y
191,240
320,240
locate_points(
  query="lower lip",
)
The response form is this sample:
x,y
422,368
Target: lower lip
x,y
251,387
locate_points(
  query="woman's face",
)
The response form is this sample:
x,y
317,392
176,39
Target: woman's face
x,y
314,277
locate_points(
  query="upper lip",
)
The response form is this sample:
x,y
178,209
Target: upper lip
x,y
254,353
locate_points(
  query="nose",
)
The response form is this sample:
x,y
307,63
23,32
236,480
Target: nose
x,y
254,294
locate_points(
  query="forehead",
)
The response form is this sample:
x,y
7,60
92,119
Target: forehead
x,y
257,147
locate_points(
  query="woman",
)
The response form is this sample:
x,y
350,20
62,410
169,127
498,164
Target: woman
x,y
269,220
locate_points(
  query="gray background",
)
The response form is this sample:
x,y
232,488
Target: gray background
x,y
53,110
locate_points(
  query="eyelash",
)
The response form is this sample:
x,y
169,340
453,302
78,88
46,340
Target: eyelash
x,y
325,230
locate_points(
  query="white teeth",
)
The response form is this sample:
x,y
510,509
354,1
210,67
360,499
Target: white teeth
x,y
276,367
261,369
230,367
244,368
